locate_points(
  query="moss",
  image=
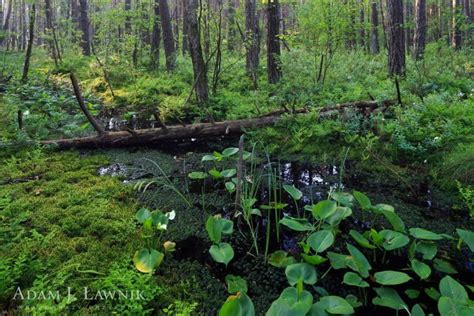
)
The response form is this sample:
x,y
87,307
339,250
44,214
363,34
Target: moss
x,y
63,215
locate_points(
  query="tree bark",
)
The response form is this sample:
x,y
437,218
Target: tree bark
x,y
156,36
420,29
6,22
231,25
195,49
396,40
200,130
50,31
84,25
374,31
408,18
273,42
456,36
31,30
168,39
128,20
252,40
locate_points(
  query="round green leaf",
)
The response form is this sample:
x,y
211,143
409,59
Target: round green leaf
x,y
391,277
393,240
146,260
222,253
320,241
421,269
336,305
142,215
451,288
353,279
301,271
420,233
323,209
235,284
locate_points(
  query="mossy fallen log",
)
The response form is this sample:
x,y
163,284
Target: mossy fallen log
x,y
199,130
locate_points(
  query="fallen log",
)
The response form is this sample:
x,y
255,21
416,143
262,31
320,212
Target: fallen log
x,y
199,130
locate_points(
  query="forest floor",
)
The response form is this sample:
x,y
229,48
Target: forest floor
x,y
67,218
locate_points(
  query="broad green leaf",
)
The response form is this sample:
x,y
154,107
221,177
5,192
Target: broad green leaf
x,y
314,259
320,241
416,310
197,175
323,209
222,253
361,240
214,229
351,278
449,307
297,224
432,293
340,214
444,266
142,215
421,269
390,277
216,174
362,199
427,248
467,236
228,173
357,261
343,198
393,240
451,288
293,191
237,305
394,220
230,151
147,260
338,261
336,305
208,158
290,303
412,293
235,284
280,259
230,187
420,233
301,271
388,297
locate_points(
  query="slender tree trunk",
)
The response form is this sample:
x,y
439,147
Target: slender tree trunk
x,y
156,36
420,29
128,19
252,40
31,30
408,17
456,37
231,25
168,39
396,40
199,66
374,30
273,42
362,24
49,28
6,22
185,28
84,24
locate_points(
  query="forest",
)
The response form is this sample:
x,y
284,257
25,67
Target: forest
x,y
237,157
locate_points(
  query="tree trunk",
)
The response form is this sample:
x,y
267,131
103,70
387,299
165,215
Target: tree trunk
x,y
396,40
374,31
408,29
84,24
31,30
185,29
362,24
456,37
195,49
156,36
49,29
168,39
6,22
231,25
252,40
128,20
273,42
420,29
